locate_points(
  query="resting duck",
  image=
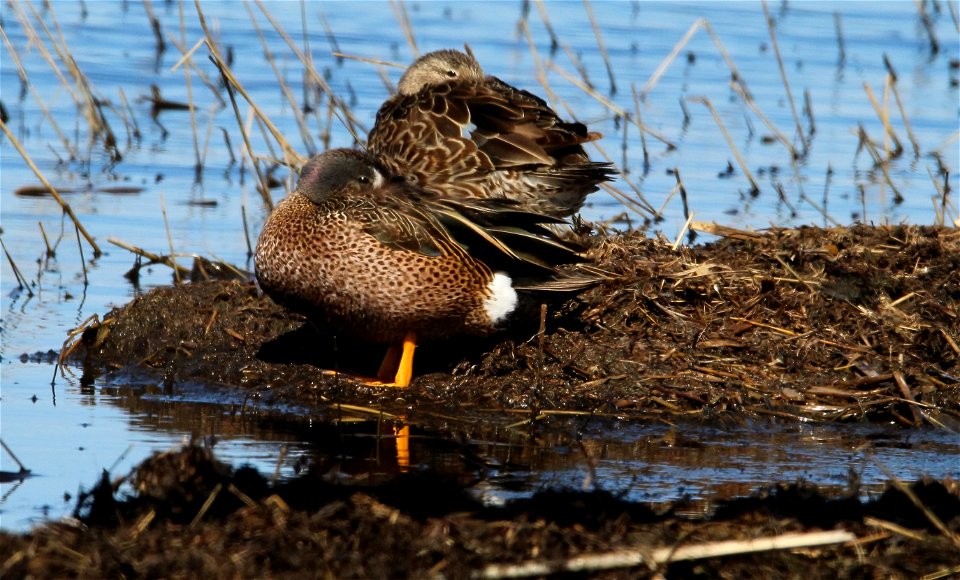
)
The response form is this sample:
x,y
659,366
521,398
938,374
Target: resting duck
x,y
455,131
384,261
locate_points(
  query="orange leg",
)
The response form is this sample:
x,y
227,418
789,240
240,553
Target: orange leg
x,y
390,364
397,364
405,368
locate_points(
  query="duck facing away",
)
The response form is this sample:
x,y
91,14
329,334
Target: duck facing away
x,y
453,130
384,261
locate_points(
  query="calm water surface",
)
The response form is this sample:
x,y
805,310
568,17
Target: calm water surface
x,y
66,433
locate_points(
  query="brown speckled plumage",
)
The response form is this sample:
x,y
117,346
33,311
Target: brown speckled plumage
x,y
462,134
377,258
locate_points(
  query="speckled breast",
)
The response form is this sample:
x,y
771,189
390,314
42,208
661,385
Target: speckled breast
x,y
323,265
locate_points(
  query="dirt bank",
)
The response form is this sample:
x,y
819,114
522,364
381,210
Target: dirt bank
x,y
833,325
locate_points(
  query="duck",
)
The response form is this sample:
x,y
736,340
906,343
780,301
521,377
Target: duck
x,y
452,129
362,252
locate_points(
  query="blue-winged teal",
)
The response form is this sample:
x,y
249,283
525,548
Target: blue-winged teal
x,y
453,130
384,261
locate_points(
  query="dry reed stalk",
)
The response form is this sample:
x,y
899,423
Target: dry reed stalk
x,y
683,231
545,19
941,201
663,206
154,258
22,283
13,456
261,178
83,261
671,56
92,109
879,162
53,191
736,78
838,27
327,31
538,62
34,38
783,139
246,231
22,73
206,506
808,110
908,395
771,28
128,118
612,106
603,48
155,26
228,145
954,16
290,155
567,50
755,189
647,555
166,226
643,136
639,205
186,58
51,251
903,115
198,162
284,88
822,211
725,231
905,490
781,194
928,26
264,134
211,120
376,61
884,117
403,19
347,119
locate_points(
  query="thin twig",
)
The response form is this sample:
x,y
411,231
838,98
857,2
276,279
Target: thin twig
x,y
884,118
783,72
733,147
400,12
21,281
154,258
838,26
198,163
603,49
53,191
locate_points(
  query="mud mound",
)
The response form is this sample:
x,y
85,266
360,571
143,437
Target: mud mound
x,y
237,525
838,324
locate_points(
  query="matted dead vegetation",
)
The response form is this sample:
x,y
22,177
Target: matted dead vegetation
x,y
838,324
191,516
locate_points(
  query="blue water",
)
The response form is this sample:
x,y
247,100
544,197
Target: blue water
x,y
67,433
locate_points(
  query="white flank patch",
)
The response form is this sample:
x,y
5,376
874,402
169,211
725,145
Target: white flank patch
x,y
503,298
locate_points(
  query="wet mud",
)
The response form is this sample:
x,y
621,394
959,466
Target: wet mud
x,y
191,516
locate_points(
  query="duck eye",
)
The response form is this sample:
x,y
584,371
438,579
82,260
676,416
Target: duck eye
x,y
451,74
363,179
